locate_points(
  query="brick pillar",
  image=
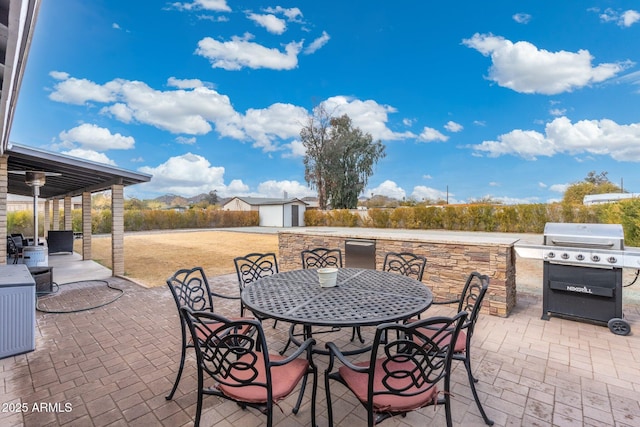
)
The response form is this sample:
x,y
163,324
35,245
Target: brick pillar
x,y
117,229
55,220
4,188
68,219
47,218
86,226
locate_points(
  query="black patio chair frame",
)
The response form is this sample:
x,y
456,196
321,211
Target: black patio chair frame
x,y
409,367
235,355
321,258
190,288
470,300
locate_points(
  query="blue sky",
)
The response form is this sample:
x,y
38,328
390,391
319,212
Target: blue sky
x,y
501,99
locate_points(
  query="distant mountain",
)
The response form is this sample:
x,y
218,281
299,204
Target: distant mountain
x,y
175,200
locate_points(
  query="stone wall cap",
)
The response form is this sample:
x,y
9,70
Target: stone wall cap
x,y
431,236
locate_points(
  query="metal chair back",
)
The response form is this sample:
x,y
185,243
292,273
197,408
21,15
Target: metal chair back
x,y
405,263
321,257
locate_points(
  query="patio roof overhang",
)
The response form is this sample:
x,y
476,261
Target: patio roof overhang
x,y
76,175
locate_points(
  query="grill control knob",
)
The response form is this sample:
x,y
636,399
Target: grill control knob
x,y
580,257
612,260
595,258
565,256
551,255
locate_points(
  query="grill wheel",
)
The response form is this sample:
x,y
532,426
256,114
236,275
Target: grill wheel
x,y
619,326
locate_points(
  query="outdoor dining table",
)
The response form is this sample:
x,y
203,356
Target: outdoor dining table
x,y
361,297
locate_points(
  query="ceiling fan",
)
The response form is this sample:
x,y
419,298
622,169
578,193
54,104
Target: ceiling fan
x,y
35,180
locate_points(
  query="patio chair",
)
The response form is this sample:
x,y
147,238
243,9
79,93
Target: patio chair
x,y
241,367
405,263
401,375
470,301
190,288
318,258
14,249
321,257
252,267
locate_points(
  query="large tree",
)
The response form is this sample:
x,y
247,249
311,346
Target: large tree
x,y
339,160
592,184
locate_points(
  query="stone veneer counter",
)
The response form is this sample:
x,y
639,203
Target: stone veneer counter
x,y
451,256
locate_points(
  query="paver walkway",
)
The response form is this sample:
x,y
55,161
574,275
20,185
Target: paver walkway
x,y
113,366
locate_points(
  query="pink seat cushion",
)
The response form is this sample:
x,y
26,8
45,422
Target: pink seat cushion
x,y
461,342
284,379
358,384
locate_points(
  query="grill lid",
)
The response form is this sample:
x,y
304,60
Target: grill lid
x,y
597,236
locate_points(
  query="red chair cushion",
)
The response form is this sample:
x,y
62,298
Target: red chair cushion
x,y
284,379
358,384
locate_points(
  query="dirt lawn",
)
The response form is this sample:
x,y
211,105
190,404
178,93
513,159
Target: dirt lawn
x,y
150,258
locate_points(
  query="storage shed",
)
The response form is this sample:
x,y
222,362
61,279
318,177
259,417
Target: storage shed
x,y
272,212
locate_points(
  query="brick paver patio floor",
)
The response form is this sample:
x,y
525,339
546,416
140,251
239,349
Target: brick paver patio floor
x,y
112,366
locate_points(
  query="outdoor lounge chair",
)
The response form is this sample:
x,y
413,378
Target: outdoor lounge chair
x,y
235,356
401,375
190,288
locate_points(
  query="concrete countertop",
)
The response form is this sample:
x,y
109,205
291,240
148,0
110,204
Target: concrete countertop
x,y
433,236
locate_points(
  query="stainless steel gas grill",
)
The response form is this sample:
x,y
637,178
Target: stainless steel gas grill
x,y
582,272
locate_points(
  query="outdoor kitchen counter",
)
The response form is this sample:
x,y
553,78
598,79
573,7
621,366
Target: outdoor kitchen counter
x,y
451,256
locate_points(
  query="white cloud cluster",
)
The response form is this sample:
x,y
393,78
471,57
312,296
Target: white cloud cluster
x,y
622,19
387,188
269,22
191,174
524,68
453,127
430,135
91,155
212,5
240,52
97,138
522,18
597,137
368,115
195,109
317,43
421,192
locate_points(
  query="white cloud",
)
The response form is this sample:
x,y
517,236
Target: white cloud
x,y
427,176
59,75
91,155
479,123
213,5
629,18
71,90
188,175
115,26
317,43
94,137
296,149
454,127
184,83
524,68
522,18
292,14
421,192
270,22
557,111
542,185
185,140
389,189
278,121
276,189
430,134
624,19
596,137
506,200
559,188
368,115
240,52
494,184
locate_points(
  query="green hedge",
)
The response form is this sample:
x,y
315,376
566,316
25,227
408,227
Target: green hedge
x,y
140,220
492,218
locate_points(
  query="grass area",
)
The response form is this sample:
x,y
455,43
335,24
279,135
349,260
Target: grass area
x,y
151,258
